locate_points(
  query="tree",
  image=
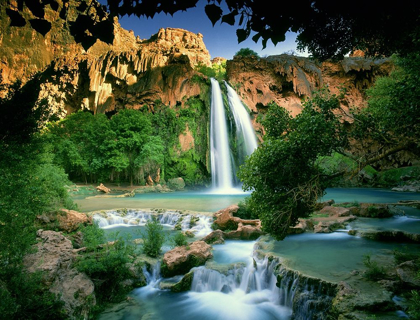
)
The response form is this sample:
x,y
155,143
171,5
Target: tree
x,y
30,184
132,129
246,52
325,28
282,173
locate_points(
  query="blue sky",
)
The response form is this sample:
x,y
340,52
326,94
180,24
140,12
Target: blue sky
x,y
220,40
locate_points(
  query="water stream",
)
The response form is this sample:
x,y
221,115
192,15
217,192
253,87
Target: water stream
x,y
246,289
238,283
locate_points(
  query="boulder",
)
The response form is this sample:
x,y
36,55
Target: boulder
x,y
372,210
327,226
64,220
215,237
301,227
54,257
176,184
335,211
102,188
245,232
237,228
181,259
408,273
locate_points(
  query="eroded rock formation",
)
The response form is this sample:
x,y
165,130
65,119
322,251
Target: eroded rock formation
x,y
287,80
55,257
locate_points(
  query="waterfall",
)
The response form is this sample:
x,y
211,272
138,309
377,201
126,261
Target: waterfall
x,y
249,291
222,162
221,167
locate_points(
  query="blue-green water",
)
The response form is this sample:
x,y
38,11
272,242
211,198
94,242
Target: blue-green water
x,y
369,195
332,256
208,202
192,201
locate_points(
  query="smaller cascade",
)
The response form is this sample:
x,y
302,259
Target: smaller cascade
x,y
200,225
247,140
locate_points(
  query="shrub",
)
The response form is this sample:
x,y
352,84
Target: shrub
x,y
374,271
106,264
414,304
179,239
244,212
246,52
153,238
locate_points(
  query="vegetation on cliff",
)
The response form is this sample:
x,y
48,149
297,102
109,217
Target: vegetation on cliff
x,y
132,145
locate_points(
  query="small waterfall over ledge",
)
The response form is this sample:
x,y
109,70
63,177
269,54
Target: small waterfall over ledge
x,y
259,287
222,162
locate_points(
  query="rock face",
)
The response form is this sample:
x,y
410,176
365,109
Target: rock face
x,y
181,259
286,79
55,257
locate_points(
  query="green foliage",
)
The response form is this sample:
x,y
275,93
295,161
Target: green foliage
x,y
179,239
283,172
29,186
106,264
374,270
243,211
132,144
246,52
414,304
23,296
153,238
217,71
393,113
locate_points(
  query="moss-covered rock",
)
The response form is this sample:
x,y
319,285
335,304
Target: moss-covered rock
x,y
184,284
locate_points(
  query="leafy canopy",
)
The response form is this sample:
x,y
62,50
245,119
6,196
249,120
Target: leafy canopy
x,y
325,28
282,173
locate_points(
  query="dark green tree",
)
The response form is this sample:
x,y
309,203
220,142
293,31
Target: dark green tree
x,y
390,123
282,173
29,186
132,129
246,52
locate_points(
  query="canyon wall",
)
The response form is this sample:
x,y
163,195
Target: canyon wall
x,y
287,80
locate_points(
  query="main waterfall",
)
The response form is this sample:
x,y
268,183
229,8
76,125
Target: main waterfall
x,y
222,162
221,165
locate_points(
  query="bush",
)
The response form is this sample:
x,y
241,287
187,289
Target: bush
x,y
244,212
153,238
179,239
246,52
374,271
106,264
414,304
